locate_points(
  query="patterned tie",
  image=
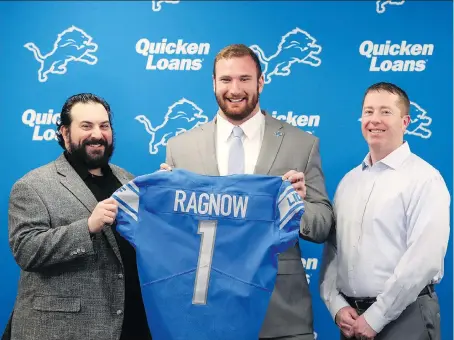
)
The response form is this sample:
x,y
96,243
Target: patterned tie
x,y
236,154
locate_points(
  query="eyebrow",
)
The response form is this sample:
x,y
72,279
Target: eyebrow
x,y
88,122
381,107
240,76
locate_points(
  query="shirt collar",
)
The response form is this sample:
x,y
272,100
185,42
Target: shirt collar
x,y
251,127
394,160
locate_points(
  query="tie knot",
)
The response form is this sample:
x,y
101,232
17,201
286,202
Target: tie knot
x,y
237,132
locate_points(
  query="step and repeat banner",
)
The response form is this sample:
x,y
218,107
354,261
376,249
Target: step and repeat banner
x,y
153,59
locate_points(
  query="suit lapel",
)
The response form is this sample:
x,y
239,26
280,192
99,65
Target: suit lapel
x,y
207,147
120,175
272,140
72,181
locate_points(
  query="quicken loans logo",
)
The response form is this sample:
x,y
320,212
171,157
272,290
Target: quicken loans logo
x,y
43,124
300,120
172,56
393,57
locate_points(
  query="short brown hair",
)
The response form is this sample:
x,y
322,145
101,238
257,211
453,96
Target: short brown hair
x,y
237,51
394,89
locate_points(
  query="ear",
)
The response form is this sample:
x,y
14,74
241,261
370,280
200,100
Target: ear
x,y
261,83
405,122
65,134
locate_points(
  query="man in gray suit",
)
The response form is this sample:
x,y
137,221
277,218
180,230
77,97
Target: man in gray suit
x,y
78,278
265,146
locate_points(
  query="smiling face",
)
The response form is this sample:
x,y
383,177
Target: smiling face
x,y
237,88
383,123
89,136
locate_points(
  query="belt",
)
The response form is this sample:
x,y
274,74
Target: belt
x,y
365,303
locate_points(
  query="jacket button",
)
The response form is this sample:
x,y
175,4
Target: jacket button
x,y
119,312
120,276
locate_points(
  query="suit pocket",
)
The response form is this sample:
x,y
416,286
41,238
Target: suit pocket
x,y
430,313
52,303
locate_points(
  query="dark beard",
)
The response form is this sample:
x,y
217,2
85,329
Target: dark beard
x,y
96,161
239,116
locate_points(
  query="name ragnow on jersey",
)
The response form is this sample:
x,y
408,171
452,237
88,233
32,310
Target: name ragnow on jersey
x,y
165,51
400,56
38,122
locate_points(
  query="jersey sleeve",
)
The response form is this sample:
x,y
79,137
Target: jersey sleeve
x,y
127,219
290,209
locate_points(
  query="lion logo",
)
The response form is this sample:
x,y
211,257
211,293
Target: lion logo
x,y
419,122
72,45
381,4
297,46
181,116
156,5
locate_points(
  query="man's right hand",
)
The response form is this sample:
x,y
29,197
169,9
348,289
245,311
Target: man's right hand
x,y
104,213
345,319
165,166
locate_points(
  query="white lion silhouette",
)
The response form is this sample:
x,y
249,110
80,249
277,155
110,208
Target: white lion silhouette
x,y
297,46
181,116
73,44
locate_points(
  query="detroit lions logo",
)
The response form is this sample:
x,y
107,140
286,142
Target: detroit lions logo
x,y
419,122
297,46
156,5
73,44
181,116
382,3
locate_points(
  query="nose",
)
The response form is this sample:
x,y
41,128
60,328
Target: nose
x,y
235,88
96,132
375,118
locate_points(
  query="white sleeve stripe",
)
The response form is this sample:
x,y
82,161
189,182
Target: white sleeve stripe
x,y
290,215
284,194
133,187
128,197
125,204
127,211
286,209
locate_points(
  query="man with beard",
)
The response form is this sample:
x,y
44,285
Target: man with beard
x,y
78,277
243,139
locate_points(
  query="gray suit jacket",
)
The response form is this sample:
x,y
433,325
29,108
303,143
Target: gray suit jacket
x,y
71,286
284,148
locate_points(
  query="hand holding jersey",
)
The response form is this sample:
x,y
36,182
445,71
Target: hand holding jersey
x,y
103,214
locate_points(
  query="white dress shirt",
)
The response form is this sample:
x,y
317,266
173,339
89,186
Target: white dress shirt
x,y
392,231
253,129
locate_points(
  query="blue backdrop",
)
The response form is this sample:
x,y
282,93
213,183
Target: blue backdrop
x,y
149,59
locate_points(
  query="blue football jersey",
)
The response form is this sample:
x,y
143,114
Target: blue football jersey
x,y
207,249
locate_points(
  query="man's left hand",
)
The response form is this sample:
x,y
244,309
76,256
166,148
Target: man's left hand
x,y
297,180
362,329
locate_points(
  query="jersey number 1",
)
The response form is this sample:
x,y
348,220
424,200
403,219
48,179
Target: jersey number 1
x,y
207,229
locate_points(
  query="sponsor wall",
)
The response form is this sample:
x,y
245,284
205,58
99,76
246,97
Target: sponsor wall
x,y
152,61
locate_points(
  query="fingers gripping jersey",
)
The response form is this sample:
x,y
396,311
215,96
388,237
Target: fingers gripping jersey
x,y
207,249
